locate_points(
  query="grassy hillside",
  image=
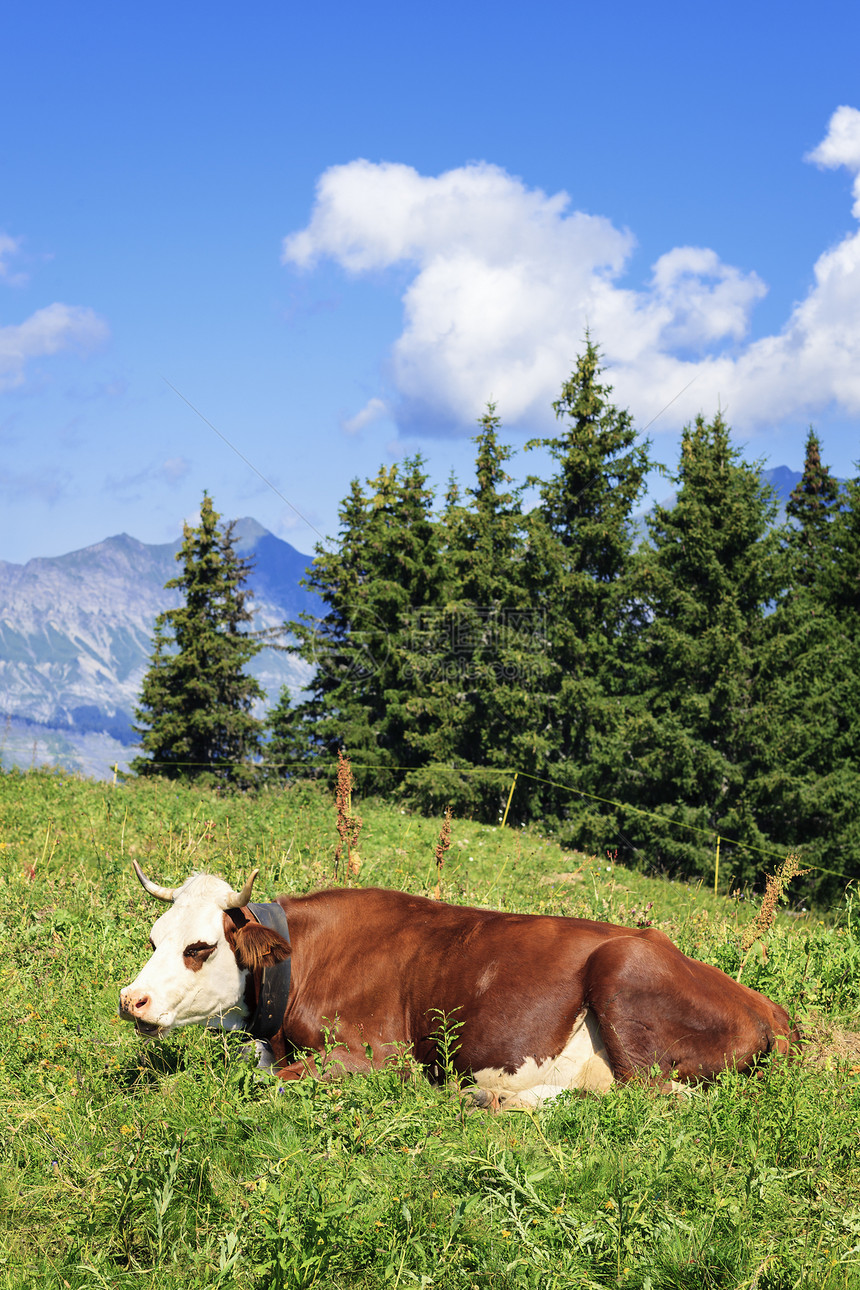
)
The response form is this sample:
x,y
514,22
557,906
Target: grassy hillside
x,y
177,1164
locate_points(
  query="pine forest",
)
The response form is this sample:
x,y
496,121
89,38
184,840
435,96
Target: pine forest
x,y
681,692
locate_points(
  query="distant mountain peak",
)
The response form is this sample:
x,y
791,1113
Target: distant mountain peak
x,y
76,635
249,532
783,480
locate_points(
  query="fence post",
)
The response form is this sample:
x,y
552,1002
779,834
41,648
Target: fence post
x,y
510,795
717,865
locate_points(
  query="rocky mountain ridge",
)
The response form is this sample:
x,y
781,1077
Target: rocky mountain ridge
x,y
76,638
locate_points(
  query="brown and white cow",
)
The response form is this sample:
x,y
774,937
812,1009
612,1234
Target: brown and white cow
x,y
538,1003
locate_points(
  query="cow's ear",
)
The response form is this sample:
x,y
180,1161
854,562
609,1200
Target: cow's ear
x,y
256,947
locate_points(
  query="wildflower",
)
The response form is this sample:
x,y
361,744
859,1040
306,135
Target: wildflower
x,y
126,1129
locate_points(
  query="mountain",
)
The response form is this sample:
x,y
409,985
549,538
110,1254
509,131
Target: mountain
x,y
76,638
783,482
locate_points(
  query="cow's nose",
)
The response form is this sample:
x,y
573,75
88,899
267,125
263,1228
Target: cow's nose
x,y
131,1002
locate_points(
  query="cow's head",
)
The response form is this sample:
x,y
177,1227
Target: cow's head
x,y
200,959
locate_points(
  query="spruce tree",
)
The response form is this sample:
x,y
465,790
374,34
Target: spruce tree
x,y
809,781
383,572
798,678
195,714
338,646
839,847
479,659
811,507
706,577
580,545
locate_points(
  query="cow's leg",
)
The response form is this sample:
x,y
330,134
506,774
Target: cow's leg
x,y
664,1015
582,1065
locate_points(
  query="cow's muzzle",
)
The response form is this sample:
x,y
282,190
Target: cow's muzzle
x,y
132,1005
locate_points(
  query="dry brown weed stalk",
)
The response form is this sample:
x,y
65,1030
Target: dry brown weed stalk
x,y
348,825
775,885
441,847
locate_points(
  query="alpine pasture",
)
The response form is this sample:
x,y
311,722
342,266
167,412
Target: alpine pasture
x,y
179,1164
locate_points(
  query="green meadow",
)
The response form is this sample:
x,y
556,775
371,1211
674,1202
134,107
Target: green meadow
x,y
178,1164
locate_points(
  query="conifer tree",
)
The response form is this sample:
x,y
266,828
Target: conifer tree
x,y
794,687
196,703
707,575
809,782
580,544
838,848
384,569
339,647
811,506
839,578
479,659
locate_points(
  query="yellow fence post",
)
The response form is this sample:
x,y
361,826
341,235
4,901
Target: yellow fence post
x,y
510,795
717,865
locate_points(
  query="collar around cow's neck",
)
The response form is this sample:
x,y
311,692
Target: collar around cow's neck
x,y
274,987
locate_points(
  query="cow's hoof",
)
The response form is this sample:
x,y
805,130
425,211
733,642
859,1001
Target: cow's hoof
x,y
482,1099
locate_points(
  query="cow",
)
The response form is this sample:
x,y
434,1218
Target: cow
x,y
347,980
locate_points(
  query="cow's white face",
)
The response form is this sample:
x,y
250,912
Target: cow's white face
x,y
193,975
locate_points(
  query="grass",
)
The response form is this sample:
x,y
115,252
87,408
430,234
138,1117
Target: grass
x,y
178,1164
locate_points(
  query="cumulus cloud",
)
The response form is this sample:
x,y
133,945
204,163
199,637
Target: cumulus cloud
x,y
504,280
841,147
47,331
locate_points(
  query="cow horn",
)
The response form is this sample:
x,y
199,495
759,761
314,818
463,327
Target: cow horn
x,y
238,899
154,889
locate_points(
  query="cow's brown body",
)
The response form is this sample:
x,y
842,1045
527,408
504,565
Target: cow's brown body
x,y
525,996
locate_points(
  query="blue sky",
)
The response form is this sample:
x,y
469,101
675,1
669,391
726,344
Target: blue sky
x,y
338,231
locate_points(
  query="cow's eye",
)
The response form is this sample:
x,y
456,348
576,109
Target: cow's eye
x,y
198,952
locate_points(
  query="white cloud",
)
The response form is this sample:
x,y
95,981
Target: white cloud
x,y
45,332
373,410
370,216
505,280
841,147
